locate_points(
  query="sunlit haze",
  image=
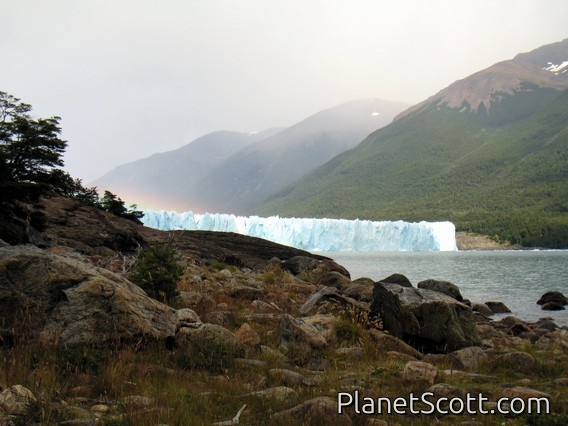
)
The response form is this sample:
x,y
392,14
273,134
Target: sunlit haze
x,y
134,77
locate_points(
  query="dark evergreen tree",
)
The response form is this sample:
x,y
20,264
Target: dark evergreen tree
x,y
30,152
30,160
113,204
30,149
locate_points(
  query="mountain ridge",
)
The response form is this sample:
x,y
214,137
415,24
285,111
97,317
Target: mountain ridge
x,y
505,77
500,171
258,170
144,178
252,165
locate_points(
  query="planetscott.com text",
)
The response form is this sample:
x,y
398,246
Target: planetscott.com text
x,y
427,403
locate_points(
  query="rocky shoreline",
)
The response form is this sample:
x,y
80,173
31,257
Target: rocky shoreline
x,y
470,241
260,333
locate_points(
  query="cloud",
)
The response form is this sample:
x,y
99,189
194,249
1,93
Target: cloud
x,y
136,77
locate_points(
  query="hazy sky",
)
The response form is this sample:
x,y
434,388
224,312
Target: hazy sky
x,y
134,77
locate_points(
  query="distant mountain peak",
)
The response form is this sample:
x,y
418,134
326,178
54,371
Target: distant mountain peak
x,y
499,172
545,67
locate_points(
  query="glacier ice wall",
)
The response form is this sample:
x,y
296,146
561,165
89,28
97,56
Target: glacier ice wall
x,y
317,234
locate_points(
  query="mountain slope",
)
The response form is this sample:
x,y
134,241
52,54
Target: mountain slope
x,y
490,152
249,176
231,172
163,179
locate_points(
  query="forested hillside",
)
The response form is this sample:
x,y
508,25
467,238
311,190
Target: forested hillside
x,y
495,163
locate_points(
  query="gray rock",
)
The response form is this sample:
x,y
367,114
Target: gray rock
x,y
222,318
397,279
517,361
553,296
16,399
245,292
248,339
209,346
428,320
525,393
498,307
282,376
138,401
250,362
224,274
333,279
199,302
187,317
445,390
364,281
553,306
210,336
419,372
444,287
469,358
298,264
546,324
279,393
260,306
483,309
361,289
392,343
326,325
72,302
322,409
78,422
298,338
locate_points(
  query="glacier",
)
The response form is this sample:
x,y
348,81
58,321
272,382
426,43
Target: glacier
x,y
326,235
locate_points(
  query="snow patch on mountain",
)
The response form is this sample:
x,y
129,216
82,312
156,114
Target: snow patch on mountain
x,y
556,69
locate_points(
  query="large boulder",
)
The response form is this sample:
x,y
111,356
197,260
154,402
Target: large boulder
x,y
419,372
553,306
312,267
65,301
333,279
360,289
445,287
16,400
298,338
208,339
397,279
555,297
298,264
428,320
498,307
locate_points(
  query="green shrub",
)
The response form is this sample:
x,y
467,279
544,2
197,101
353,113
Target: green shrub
x,y
157,272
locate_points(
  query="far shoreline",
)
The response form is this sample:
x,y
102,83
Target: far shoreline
x,y
466,241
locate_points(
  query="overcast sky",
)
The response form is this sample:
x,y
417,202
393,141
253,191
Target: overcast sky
x,y
134,77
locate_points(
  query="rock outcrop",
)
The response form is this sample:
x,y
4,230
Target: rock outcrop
x,y
94,232
552,301
445,287
64,301
428,320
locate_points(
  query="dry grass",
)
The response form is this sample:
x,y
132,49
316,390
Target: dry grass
x,y
182,394
192,396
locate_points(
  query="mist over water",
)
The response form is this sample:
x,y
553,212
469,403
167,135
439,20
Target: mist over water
x,y
517,278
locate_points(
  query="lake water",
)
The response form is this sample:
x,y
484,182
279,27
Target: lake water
x,y
517,278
